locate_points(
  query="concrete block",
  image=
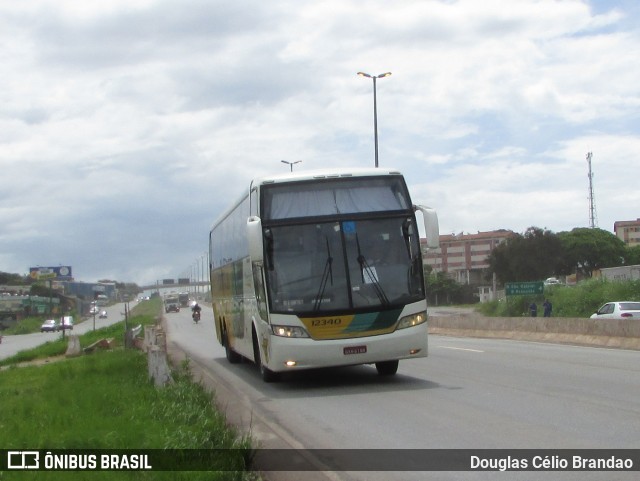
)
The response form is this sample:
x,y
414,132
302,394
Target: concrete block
x,y
158,366
73,347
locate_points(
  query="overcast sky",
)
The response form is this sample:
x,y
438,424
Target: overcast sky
x,y
128,126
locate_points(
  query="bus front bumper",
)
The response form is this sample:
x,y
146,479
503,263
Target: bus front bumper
x,y
286,353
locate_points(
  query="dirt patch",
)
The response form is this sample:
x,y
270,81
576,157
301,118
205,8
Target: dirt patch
x,y
35,362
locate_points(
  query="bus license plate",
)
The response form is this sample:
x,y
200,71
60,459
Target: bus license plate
x,y
355,350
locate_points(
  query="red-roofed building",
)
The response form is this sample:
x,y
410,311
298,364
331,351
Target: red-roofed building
x,y
464,257
628,231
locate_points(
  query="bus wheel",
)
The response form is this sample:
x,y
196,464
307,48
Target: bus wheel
x,y
387,368
232,356
267,374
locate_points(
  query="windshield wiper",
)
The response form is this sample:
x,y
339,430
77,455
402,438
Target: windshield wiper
x,y
326,275
372,277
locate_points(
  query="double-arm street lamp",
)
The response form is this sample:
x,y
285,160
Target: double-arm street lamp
x,y
375,107
291,164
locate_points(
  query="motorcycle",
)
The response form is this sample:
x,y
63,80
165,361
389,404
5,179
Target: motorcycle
x,y
196,316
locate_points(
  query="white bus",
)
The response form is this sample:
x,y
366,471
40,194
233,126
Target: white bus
x,y
312,270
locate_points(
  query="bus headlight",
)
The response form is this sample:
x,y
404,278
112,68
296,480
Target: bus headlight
x,y
412,320
289,331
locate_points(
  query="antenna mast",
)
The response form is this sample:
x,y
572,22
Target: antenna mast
x,y
593,220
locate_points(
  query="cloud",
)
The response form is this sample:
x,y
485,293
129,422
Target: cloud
x,y
126,128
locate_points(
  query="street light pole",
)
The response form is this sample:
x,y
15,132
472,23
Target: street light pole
x,y
291,164
197,265
375,108
202,257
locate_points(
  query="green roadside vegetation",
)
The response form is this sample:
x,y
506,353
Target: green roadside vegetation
x,y
26,326
143,313
581,300
105,400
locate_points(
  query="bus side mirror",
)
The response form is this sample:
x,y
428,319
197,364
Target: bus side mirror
x,y
254,235
431,228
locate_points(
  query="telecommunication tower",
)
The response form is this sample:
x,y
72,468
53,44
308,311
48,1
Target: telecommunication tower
x,y
593,219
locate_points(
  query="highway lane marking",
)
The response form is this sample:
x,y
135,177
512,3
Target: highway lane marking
x,y
460,349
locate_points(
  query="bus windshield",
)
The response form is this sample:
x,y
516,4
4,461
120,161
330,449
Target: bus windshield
x,y
334,197
349,264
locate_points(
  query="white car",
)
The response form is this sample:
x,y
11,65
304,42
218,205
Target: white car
x,y
49,325
65,323
618,310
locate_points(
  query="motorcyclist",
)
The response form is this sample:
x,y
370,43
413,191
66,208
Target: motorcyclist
x,y
195,309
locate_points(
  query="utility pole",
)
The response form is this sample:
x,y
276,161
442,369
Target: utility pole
x,y
593,220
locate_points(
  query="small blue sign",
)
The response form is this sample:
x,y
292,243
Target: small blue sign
x,y
349,227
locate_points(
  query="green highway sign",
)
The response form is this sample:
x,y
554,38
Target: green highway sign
x,y
524,288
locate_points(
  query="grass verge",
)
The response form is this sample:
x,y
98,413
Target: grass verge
x,y
105,401
144,313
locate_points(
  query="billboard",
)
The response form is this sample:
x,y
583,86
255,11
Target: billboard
x,y
60,273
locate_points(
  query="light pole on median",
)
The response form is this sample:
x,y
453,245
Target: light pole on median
x,y
197,271
202,258
375,107
291,164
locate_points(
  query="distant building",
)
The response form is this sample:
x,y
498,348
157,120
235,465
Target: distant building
x,y
628,231
621,273
465,257
16,307
90,290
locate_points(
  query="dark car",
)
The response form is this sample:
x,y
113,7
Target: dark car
x,y
49,326
172,307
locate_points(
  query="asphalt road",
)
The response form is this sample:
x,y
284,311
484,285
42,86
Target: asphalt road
x,y
469,393
11,345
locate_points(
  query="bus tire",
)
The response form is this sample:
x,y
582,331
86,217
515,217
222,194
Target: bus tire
x,y
267,374
387,368
232,356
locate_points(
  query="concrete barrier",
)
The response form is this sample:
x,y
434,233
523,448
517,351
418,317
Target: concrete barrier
x,y
154,336
615,333
156,347
73,346
158,366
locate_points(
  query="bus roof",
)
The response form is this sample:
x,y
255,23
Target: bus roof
x,y
301,176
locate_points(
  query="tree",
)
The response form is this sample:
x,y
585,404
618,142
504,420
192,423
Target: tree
x,y
441,289
9,279
632,256
532,256
588,249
